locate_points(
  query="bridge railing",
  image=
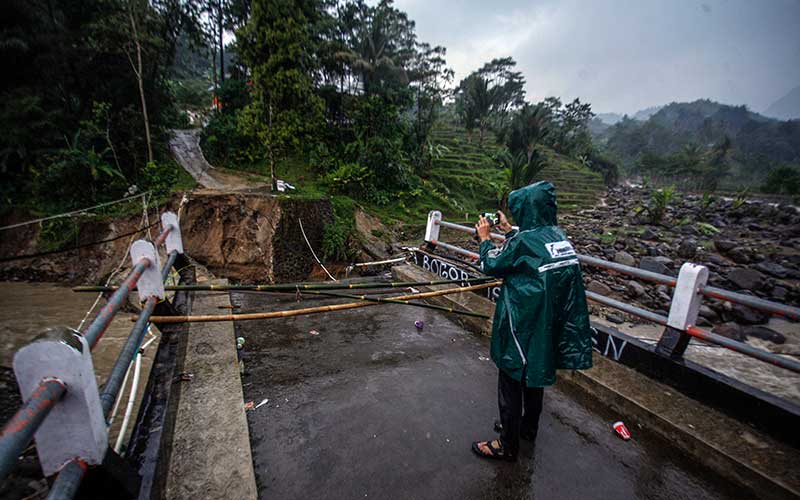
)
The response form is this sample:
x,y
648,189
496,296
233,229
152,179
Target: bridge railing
x,y
63,407
689,289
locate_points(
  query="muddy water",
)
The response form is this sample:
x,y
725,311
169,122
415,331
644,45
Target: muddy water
x,y
26,309
768,378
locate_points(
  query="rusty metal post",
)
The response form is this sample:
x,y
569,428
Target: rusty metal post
x,y
18,431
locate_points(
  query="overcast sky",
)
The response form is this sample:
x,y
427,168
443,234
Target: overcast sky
x,y
625,55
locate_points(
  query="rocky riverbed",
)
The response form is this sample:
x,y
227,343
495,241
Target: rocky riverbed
x,y
749,246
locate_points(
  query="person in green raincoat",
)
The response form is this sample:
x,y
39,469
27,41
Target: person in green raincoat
x,y
541,321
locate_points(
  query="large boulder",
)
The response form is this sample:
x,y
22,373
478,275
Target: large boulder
x,y
598,288
747,316
649,234
740,255
655,265
729,330
772,269
688,248
764,333
746,279
635,289
723,246
624,258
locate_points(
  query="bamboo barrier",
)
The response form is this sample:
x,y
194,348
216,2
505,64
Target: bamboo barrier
x,y
291,287
310,310
397,301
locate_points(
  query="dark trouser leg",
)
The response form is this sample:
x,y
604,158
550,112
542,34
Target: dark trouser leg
x,y
534,397
509,400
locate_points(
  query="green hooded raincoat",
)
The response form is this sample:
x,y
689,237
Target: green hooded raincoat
x,y
541,322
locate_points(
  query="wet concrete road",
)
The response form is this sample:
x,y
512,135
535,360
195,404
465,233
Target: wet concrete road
x,y
371,408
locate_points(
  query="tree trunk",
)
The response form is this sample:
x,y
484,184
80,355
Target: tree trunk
x,y
138,71
221,45
272,173
271,151
214,65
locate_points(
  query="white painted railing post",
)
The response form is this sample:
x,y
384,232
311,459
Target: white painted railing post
x,y
683,311
432,229
75,427
174,240
150,283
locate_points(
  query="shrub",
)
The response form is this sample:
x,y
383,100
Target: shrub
x,y
659,201
160,177
339,241
351,179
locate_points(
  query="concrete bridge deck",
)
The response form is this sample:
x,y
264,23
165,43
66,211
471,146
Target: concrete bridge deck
x,y
372,408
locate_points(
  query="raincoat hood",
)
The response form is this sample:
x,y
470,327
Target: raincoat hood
x,y
533,206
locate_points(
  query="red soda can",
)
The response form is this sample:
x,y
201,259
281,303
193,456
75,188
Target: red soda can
x,y
622,431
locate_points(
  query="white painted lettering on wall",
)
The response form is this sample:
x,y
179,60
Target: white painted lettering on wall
x,y
612,345
448,271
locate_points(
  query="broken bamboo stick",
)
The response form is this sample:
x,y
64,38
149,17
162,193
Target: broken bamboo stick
x,y
310,310
291,287
398,301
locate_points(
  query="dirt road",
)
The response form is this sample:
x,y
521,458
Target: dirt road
x,y
185,146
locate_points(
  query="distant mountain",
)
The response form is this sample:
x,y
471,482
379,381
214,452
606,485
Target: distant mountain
x,y
757,143
646,113
641,115
597,127
609,118
787,107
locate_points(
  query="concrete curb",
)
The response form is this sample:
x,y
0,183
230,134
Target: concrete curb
x,y
210,456
590,382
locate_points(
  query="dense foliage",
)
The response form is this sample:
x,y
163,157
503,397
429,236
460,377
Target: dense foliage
x,y
347,88
703,141
79,78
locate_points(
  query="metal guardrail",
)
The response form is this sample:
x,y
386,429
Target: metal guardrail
x,y
57,365
690,286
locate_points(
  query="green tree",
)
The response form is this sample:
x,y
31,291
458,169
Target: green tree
x,y
569,132
783,180
68,56
487,96
276,46
527,129
716,165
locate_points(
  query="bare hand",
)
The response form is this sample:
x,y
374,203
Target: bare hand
x,y
483,228
503,223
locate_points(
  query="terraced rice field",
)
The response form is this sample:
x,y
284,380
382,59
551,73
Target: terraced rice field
x,y
471,180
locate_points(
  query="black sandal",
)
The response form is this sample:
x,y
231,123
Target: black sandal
x,y
494,453
528,436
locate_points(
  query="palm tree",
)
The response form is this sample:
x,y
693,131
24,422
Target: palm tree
x,y
378,41
475,103
521,170
529,127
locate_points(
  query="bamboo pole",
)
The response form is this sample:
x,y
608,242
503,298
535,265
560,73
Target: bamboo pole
x,y
403,302
291,286
310,310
